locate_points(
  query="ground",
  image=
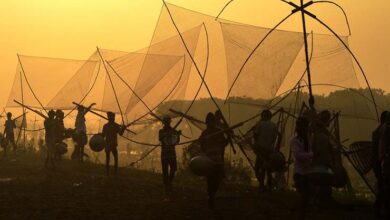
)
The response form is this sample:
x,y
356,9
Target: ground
x,y
73,191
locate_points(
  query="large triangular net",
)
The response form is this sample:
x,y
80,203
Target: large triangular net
x,y
242,77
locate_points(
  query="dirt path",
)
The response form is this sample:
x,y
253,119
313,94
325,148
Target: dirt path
x,y
84,192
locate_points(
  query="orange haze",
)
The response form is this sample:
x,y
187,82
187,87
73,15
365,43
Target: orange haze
x,y
73,28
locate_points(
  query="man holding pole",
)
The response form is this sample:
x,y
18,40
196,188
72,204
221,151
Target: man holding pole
x,y
168,137
81,138
110,134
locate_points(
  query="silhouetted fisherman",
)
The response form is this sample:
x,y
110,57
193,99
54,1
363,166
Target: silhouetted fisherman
x,y
311,115
110,134
168,137
81,138
323,152
50,124
222,125
9,136
300,148
376,162
384,159
212,145
265,135
59,133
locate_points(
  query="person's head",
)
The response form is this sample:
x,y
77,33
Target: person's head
x,y
51,114
210,120
266,115
311,101
9,115
324,118
80,108
166,121
388,118
111,116
218,115
302,126
383,116
59,114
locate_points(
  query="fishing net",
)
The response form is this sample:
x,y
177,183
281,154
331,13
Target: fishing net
x,y
163,74
37,82
218,52
266,69
86,87
276,66
39,78
165,79
336,86
222,47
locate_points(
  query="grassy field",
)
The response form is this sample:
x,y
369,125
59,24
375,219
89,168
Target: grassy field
x,y
73,191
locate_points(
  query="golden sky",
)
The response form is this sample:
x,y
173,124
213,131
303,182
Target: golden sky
x,y
73,28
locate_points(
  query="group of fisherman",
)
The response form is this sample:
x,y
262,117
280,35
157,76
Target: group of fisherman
x,y
317,166
313,147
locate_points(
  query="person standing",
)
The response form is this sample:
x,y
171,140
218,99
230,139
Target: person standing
x,y
59,134
223,126
213,142
265,135
81,132
323,147
376,162
168,137
110,133
384,167
49,125
9,137
303,156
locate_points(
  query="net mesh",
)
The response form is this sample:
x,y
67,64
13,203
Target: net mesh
x,y
161,74
166,75
44,76
265,71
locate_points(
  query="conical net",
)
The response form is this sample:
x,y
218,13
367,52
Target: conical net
x,y
241,78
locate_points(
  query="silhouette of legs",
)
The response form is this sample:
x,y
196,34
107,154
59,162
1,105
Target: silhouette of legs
x,y
13,143
213,182
303,188
76,154
5,147
114,152
386,195
9,139
261,173
107,162
169,168
81,153
50,156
